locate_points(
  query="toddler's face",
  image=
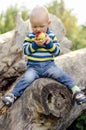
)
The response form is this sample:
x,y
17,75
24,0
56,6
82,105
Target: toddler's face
x,y
40,24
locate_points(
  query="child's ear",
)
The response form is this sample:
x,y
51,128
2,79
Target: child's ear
x,y
49,22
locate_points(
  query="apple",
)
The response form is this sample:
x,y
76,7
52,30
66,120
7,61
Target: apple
x,y
40,36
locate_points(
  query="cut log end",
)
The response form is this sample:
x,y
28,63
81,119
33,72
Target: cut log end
x,y
56,99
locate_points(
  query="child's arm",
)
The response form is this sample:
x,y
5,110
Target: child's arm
x,y
52,45
29,44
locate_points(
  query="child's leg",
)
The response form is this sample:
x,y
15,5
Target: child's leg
x,y
24,82
21,85
59,75
56,73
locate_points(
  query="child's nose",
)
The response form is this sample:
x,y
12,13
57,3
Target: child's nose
x,y
38,29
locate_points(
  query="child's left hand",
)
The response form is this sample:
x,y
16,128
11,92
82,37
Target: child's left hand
x,y
47,39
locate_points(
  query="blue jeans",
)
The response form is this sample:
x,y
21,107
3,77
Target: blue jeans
x,y
37,70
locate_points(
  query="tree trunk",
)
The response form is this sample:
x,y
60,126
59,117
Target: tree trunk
x,y
45,105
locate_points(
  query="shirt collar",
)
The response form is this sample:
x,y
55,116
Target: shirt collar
x,y
48,31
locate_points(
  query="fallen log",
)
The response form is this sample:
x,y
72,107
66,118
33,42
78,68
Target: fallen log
x,y
45,105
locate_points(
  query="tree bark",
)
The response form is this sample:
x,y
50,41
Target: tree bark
x,y
45,105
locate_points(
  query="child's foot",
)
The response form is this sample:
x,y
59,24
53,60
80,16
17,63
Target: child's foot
x,y
80,97
9,99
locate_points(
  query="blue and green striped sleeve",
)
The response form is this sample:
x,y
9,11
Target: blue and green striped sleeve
x,y
29,45
53,46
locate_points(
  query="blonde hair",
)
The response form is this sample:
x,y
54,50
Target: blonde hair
x,y
39,11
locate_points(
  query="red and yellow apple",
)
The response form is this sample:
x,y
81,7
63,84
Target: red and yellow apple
x,y
40,36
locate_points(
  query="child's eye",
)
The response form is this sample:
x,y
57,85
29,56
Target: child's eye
x,y
42,26
35,27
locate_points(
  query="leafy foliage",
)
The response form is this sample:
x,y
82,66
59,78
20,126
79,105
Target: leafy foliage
x,y
81,122
7,21
76,33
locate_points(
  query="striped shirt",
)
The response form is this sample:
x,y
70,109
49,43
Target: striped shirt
x,y
41,53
